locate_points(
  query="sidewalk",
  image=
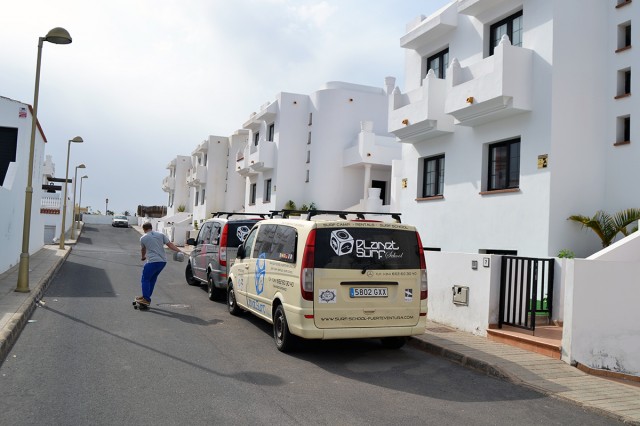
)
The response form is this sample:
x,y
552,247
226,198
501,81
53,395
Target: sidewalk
x,y
546,375
16,308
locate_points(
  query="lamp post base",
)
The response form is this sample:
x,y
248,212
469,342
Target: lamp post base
x,y
23,274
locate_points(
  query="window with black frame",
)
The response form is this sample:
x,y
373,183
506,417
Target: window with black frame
x,y
438,63
433,176
267,191
511,27
504,165
271,132
252,194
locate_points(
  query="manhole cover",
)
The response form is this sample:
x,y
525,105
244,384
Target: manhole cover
x,y
440,330
174,305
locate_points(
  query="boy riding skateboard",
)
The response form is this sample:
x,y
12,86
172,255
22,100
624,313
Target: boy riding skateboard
x,y
152,250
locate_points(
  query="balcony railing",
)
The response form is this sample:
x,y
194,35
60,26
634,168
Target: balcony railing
x,y
242,162
494,88
50,205
419,114
263,157
169,184
197,176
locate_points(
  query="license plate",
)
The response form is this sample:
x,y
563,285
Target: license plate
x,y
368,292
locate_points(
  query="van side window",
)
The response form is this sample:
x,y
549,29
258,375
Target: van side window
x,y
215,234
264,241
284,244
204,235
249,241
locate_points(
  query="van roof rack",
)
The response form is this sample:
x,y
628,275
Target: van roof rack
x,y
229,214
342,214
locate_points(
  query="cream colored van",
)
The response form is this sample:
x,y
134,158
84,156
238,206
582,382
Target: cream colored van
x,y
332,278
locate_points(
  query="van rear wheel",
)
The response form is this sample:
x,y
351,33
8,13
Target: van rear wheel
x,y
393,342
285,341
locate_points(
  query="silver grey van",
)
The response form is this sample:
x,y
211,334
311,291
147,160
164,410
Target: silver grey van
x,y
215,250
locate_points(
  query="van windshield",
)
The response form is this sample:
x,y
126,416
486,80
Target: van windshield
x,y
366,248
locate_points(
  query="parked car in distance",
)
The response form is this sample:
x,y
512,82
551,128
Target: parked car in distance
x,y
332,279
120,221
215,249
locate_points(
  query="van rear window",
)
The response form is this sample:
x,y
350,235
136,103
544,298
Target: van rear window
x,y
237,232
366,248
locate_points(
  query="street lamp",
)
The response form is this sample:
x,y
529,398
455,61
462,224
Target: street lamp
x,y
77,139
56,36
80,202
75,177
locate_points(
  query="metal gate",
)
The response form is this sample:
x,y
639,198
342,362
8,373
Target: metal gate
x,y
526,291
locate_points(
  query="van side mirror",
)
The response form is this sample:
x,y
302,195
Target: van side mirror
x,y
241,252
191,242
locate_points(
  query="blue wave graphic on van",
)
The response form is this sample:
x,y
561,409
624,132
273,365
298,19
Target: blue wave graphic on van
x,y
261,270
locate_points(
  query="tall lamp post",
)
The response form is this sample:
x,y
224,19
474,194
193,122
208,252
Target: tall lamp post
x,y
56,36
75,177
80,202
77,139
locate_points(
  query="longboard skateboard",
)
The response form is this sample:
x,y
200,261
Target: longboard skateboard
x,y
138,305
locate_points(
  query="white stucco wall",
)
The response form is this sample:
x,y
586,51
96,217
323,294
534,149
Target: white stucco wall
x,y
444,270
12,192
601,327
574,73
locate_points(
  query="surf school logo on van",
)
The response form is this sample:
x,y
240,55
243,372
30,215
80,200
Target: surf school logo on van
x,y
242,232
343,243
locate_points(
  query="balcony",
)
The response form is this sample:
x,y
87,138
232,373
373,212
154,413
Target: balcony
x,y
242,162
268,112
478,8
436,25
263,156
169,184
197,176
371,149
50,205
497,87
419,114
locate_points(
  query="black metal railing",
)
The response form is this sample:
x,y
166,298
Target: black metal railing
x,y
526,291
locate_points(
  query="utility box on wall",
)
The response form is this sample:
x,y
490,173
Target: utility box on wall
x,y
460,295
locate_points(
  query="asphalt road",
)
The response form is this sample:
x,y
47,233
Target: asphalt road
x,y
87,357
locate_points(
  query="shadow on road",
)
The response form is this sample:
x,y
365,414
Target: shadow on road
x,y
253,377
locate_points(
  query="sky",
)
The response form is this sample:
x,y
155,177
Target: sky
x,y
144,81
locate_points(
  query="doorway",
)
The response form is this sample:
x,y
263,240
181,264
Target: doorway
x,y
383,189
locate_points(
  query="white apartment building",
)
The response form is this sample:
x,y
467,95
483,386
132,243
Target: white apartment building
x,y
326,149
15,136
176,185
515,115
209,177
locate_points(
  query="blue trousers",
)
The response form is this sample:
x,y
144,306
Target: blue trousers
x,y
150,273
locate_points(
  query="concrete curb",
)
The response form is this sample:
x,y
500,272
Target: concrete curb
x,y
462,359
11,332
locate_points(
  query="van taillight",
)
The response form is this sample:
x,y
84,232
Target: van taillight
x,y
424,286
222,250
306,274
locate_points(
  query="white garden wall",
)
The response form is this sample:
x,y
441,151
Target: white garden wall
x,y
602,318
444,270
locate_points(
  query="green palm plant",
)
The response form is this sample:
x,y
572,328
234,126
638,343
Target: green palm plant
x,y
606,226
